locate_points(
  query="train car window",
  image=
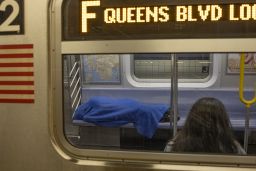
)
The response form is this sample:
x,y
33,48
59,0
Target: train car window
x,y
157,66
106,113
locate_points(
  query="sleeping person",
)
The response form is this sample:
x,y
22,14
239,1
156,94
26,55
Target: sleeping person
x,y
115,112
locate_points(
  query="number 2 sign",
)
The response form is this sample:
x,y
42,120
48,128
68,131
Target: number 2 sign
x,y
11,17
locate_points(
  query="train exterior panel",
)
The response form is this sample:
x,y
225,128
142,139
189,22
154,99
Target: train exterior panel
x,y
25,143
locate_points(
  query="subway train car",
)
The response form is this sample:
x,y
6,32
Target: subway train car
x,y
103,85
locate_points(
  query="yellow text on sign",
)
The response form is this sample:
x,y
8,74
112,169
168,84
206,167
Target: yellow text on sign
x,y
136,14
164,14
185,13
86,15
246,12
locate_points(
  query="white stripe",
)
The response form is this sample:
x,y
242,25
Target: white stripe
x,y
17,87
17,60
17,78
16,69
15,51
17,96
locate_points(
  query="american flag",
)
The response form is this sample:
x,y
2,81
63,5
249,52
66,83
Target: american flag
x,y
17,74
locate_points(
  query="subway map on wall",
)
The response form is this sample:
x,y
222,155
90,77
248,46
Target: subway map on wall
x,y
101,69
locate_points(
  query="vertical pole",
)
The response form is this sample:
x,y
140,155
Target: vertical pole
x,y
246,130
174,93
247,103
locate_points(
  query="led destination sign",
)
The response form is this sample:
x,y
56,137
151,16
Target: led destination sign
x,y
108,19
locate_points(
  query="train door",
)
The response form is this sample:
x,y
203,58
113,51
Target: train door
x,y
111,57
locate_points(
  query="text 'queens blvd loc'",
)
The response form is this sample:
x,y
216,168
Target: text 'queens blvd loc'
x,y
164,13
97,16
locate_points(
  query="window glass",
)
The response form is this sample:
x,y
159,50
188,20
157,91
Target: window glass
x,y
158,66
107,112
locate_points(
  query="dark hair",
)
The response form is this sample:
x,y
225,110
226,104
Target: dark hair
x,y
207,129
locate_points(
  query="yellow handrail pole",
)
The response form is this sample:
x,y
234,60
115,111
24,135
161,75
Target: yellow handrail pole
x,y
247,103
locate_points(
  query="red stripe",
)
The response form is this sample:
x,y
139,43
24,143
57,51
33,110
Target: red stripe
x,y
16,82
16,91
17,100
16,64
25,46
16,74
21,55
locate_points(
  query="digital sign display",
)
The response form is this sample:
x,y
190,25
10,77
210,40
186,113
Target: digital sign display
x,y
108,19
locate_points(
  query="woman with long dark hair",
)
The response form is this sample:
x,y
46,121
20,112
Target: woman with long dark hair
x,y
206,130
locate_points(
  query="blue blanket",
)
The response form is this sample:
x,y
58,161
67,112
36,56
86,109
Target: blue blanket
x,y
111,112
